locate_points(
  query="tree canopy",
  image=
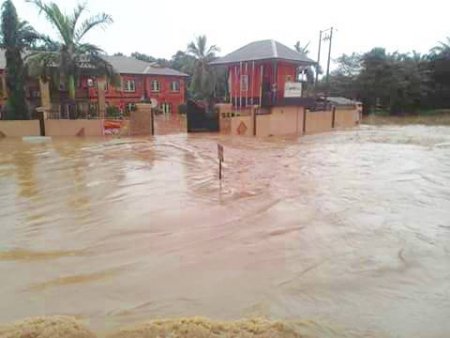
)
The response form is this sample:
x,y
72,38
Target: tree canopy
x,y
69,56
396,82
16,37
204,77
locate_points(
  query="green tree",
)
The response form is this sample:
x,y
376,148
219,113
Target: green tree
x,y
344,81
439,70
443,48
16,37
183,62
396,82
68,57
161,62
204,77
308,71
302,49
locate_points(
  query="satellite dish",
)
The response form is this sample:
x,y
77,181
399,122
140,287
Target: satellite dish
x,y
154,103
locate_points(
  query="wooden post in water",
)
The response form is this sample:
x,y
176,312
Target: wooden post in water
x,y
333,121
305,111
153,121
254,120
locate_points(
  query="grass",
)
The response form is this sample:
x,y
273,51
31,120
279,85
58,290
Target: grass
x,y
432,117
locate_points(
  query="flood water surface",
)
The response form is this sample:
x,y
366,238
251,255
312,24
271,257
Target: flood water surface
x,y
348,229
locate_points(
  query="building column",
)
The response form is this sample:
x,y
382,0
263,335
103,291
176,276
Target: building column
x,y
4,88
44,88
101,85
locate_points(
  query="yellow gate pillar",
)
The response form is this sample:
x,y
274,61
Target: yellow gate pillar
x,y
44,88
101,86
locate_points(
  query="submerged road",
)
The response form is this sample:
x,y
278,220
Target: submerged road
x,y
350,229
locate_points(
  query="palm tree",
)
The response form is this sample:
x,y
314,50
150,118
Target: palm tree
x,y
302,50
204,77
442,48
16,37
309,72
68,57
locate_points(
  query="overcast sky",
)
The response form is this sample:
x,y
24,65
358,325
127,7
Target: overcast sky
x,y
160,28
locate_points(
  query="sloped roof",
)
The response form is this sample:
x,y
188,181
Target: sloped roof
x,y
341,101
264,50
124,65
130,65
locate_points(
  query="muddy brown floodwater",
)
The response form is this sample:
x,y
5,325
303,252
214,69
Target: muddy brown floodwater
x,y
350,229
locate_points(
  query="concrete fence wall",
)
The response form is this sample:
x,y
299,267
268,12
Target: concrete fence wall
x,y
242,125
318,122
59,128
74,128
288,121
346,118
282,121
19,128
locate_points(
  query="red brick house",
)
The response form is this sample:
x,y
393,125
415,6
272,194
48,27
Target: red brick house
x,y
139,80
259,72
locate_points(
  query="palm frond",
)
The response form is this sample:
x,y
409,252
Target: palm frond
x,y
77,12
48,44
88,49
42,64
193,50
302,49
212,51
26,35
201,45
99,20
56,18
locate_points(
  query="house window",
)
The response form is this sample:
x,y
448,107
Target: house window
x,y
244,83
175,86
129,86
130,107
156,86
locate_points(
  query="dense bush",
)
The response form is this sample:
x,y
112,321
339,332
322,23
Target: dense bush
x,y
394,82
112,111
182,108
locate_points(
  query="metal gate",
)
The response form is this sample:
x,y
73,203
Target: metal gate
x,y
201,120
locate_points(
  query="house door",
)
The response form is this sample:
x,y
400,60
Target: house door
x,y
166,108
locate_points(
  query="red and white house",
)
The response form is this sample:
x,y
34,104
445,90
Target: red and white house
x,y
139,80
263,73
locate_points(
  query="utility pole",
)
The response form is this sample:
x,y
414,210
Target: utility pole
x,y
318,59
328,65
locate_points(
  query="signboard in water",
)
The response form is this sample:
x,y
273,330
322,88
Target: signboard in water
x,y
220,152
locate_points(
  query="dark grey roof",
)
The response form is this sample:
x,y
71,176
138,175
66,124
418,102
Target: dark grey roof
x,y
124,65
264,50
130,65
341,101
